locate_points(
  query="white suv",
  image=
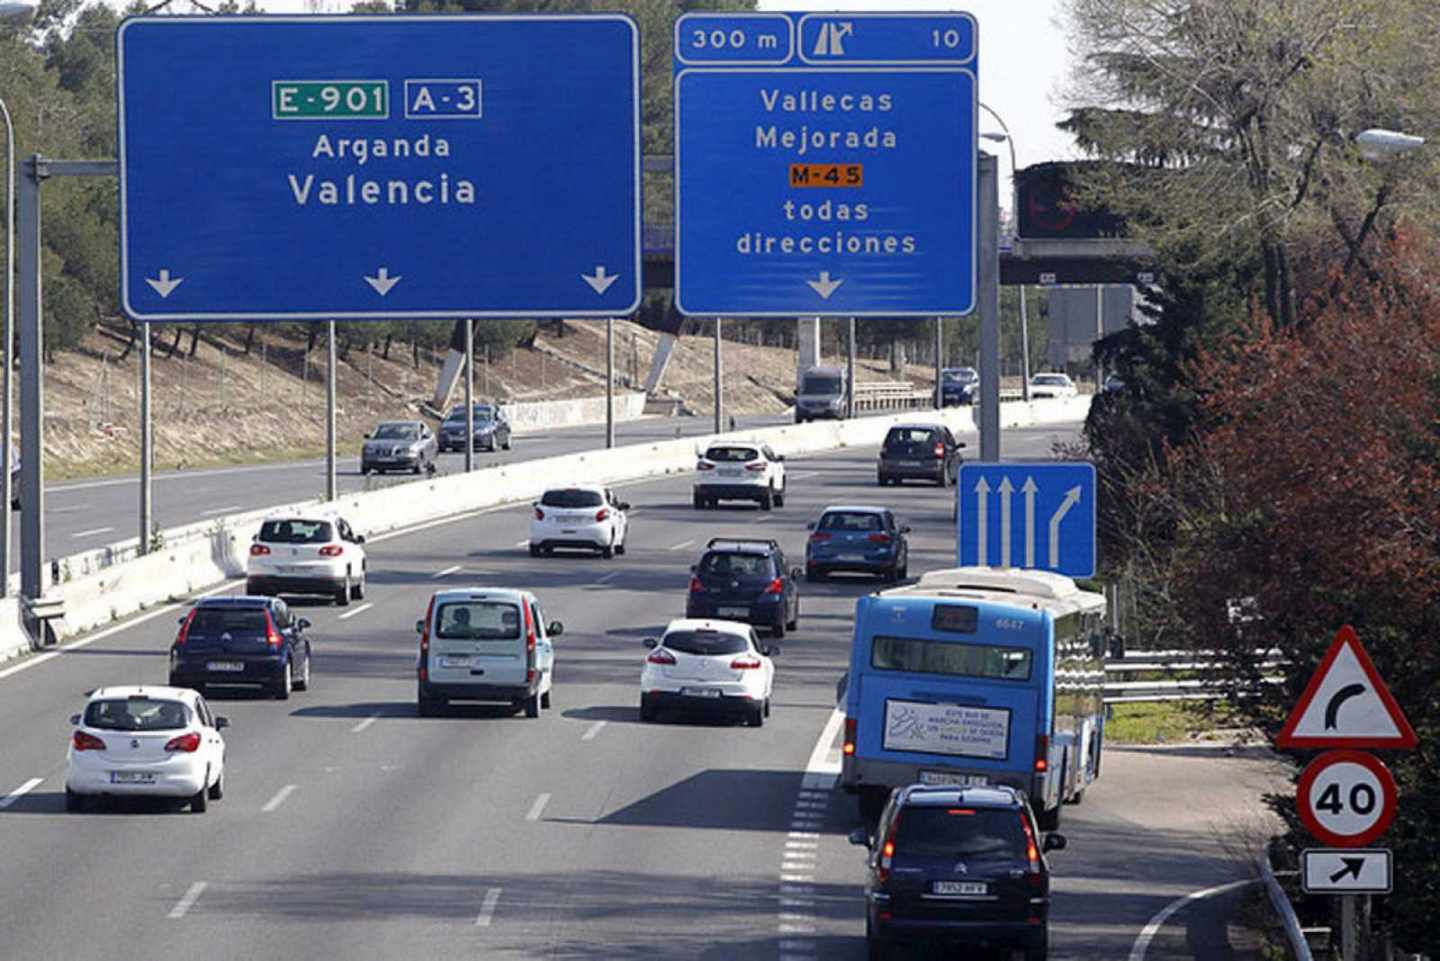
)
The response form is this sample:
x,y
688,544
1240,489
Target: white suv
x,y
740,470
585,516
307,555
708,666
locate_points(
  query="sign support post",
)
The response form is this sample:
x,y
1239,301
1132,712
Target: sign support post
x,y
939,362
850,368
32,386
147,441
719,372
469,395
330,487
989,302
609,382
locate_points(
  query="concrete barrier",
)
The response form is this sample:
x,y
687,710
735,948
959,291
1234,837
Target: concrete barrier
x,y
540,415
13,639
108,583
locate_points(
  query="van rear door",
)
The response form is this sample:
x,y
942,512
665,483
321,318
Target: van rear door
x,y
478,640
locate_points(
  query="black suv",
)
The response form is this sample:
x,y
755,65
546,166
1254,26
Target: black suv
x,y
919,452
747,581
250,641
958,866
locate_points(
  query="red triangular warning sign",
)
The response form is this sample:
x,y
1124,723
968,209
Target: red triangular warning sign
x,y
1346,704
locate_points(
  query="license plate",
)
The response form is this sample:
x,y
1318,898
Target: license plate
x,y
947,777
699,692
729,472
454,662
960,887
849,557
732,611
567,532
913,463
225,666
132,777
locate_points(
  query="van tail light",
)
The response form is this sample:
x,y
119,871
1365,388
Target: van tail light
x,y
425,633
185,629
258,550
1042,753
851,730
331,550
86,742
602,513
887,850
879,538
660,656
529,633
272,636
189,743
777,586
696,585
939,450
539,514
756,467
704,465
747,663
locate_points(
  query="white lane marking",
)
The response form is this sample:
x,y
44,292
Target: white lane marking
x,y
365,723
821,771
101,635
797,878
802,834
1147,933
188,901
538,807
182,475
351,613
595,729
523,543
446,572
278,799
20,792
682,545
487,906
68,510
799,474
607,578
228,508
92,532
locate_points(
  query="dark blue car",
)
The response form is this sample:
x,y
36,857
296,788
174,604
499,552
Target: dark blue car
x,y
864,540
241,641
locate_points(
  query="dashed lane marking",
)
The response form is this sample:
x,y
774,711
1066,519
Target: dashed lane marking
x,y
538,808
487,906
593,730
449,570
365,723
188,900
92,532
682,545
278,799
351,613
20,792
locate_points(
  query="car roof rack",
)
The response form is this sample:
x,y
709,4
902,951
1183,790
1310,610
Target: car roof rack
x,y
753,543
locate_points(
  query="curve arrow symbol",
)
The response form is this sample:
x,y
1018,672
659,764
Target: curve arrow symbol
x,y
165,284
1072,497
382,281
1332,709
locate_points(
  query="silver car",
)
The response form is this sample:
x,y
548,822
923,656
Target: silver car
x,y
407,445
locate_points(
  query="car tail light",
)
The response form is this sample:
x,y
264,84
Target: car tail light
x,y
258,550
776,586
660,656
1032,851
189,743
851,729
185,629
272,636
756,467
602,513
939,450
879,538
539,514
331,550
819,536
696,585
959,812
86,742
747,663
1042,753
704,465
887,850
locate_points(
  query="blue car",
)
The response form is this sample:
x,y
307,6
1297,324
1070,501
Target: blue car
x,y
242,642
863,540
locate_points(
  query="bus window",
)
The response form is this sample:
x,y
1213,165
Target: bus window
x,y
946,657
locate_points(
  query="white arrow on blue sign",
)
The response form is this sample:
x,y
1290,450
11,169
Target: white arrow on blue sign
x,y
1032,515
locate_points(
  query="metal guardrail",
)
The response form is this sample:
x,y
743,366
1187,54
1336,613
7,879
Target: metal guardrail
x,y
891,395
1189,689
1280,901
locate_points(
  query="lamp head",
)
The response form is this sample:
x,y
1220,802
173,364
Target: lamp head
x,y
1376,143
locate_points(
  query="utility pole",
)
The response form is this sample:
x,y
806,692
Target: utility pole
x,y
988,301
939,361
719,386
470,395
850,369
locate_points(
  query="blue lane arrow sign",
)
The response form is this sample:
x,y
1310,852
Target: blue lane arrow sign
x,y
1034,515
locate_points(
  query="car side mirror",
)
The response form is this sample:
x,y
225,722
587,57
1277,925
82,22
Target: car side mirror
x,y
651,642
694,568
1053,842
810,526
221,723
796,573
960,444
182,620
304,623
74,718
359,538
420,626
369,436
555,629
860,837
905,529
623,505
772,651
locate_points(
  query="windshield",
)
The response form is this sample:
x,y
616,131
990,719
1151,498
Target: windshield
x,y
136,714
478,621
736,565
850,521
960,832
397,432
960,375
706,642
572,497
457,415
731,454
820,384
1050,380
296,532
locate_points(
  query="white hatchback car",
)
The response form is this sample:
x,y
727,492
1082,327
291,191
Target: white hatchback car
x,y
740,470
307,555
1052,385
709,666
585,516
146,741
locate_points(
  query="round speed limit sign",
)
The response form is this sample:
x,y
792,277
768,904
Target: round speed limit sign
x,y
1346,798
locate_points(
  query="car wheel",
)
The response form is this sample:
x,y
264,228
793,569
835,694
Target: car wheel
x,y
876,948
532,706
357,593
285,685
767,499
425,705
620,548
506,445
757,716
74,803
699,503
217,790
302,683
254,589
342,593
794,622
778,630
364,470
904,571
545,700
534,550
882,480
200,801
780,498
647,713
608,551
891,574
1040,950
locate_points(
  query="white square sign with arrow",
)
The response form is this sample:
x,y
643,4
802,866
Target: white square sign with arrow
x,y
1346,871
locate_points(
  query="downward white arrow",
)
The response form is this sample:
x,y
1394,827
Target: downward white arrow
x,y
825,286
165,284
1028,489
599,281
982,514
1072,497
382,281
1006,489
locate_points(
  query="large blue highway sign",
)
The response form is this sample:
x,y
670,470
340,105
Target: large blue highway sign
x,y
1036,515
825,164
379,167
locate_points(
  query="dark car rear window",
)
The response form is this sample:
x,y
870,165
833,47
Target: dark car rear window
x,y
908,436
731,454
570,497
850,521
213,621
136,714
296,532
722,563
457,416
960,832
706,642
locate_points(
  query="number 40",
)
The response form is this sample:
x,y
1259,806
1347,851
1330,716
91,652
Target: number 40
x,y
1362,799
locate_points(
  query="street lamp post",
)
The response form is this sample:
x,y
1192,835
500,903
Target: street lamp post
x,y
1009,141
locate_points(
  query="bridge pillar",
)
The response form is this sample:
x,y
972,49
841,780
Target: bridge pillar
x,y
808,334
